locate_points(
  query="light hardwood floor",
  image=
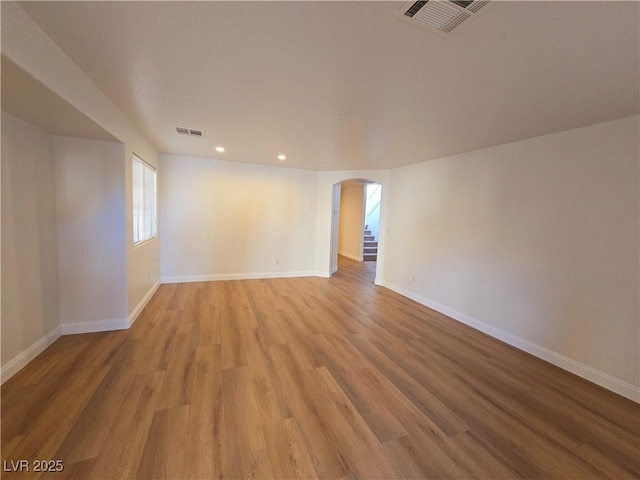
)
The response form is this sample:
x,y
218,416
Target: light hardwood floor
x,y
308,378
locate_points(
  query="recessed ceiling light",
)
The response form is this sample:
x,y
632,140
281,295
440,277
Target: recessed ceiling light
x,y
282,157
220,149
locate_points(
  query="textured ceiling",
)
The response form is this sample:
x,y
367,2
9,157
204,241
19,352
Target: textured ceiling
x,y
345,85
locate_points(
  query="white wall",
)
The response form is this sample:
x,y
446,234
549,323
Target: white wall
x,y
351,228
223,219
90,188
29,244
537,238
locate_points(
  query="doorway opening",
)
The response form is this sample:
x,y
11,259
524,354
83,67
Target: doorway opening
x,y
355,226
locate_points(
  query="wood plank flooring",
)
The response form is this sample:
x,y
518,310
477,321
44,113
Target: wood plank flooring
x,y
308,378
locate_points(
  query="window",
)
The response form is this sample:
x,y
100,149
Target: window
x,y
144,201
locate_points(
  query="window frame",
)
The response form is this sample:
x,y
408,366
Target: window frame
x,y
146,167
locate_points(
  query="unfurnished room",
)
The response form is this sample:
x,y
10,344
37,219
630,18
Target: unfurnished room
x,y
320,239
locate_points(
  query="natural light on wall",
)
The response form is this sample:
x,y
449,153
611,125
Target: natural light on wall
x,y
144,201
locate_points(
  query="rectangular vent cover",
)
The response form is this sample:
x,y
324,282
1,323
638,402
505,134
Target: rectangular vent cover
x,y
442,17
192,132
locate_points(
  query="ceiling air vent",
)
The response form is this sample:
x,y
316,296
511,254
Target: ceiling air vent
x,y
442,17
192,132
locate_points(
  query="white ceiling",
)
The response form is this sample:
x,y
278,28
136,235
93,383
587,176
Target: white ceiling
x,y
345,85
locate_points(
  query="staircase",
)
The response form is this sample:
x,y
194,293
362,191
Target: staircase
x,y
370,248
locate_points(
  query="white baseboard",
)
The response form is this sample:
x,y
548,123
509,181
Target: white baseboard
x,y
71,328
596,376
16,364
350,255
93,326
141,304
235,276
324,274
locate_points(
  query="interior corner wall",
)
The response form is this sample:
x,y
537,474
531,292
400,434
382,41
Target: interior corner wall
x,y
350,231
537,239
90,189
225,219
29,244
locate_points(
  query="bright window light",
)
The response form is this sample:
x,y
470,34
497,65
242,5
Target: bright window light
x,y
145,223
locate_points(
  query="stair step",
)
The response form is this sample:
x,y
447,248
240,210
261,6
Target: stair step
x,y
369,238
370,250
370,258
370,244
367,232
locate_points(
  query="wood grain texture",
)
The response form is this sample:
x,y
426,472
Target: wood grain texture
x,y
308,378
